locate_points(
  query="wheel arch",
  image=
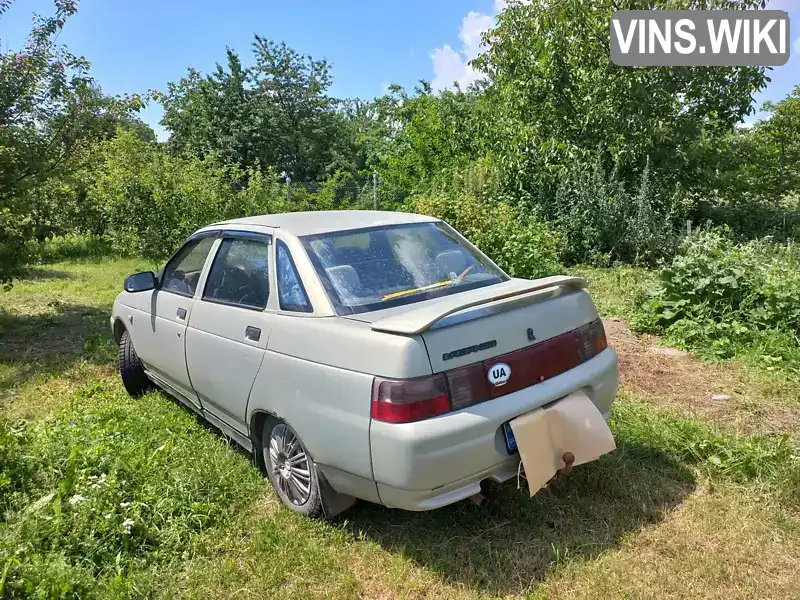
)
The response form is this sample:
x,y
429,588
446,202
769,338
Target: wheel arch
x,y
258,420
119,329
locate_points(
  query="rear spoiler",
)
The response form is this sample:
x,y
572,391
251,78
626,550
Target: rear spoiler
x,y
423,318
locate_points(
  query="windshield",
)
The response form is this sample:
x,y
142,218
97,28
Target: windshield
x,y
371,269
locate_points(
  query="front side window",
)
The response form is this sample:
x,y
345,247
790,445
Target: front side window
x,y
239,274
183,272
291,293
367,270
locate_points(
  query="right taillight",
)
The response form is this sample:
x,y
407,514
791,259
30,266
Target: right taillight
x,y
593,337
408,400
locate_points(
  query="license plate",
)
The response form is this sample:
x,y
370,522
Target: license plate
x,y
511,442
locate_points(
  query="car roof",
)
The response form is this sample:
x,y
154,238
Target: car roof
x,y
325,221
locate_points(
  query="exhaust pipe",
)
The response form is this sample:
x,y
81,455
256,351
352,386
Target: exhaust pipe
x,y
479,499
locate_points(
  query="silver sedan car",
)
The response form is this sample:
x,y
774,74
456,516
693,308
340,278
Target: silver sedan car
x,y
360,354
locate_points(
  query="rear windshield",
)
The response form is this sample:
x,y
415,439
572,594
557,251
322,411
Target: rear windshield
x,y
371,269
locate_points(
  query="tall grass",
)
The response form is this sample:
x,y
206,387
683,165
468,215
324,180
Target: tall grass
x,y
107,488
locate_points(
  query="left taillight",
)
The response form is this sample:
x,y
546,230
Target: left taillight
x,y
409,400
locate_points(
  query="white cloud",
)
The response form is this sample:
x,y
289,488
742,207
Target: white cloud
x,y
473,26
450,65
797,46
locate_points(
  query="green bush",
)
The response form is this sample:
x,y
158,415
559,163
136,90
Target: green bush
x,y
152,200
520,244
600,222
751,216
70,246
722,299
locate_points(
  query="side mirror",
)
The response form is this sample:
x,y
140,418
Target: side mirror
x,y
140,282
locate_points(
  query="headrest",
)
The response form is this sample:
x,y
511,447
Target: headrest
x,y
451,261
344,279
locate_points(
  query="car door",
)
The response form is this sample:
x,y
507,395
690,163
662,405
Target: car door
x,y
160,337
229,327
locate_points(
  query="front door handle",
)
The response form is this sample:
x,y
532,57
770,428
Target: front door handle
x,y
252,333
182,314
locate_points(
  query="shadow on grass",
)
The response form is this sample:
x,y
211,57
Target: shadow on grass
x,y
514,541
39,273
47,344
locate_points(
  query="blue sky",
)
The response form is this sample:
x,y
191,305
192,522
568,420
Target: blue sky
x,y
136,46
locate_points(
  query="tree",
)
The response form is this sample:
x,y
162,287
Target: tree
x,y
780,137
214,115
417,140
303,126
555,94
50,109
276,113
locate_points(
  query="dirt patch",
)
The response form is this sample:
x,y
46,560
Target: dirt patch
x,y
693,387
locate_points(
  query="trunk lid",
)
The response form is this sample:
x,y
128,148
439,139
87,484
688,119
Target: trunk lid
x,y
490,322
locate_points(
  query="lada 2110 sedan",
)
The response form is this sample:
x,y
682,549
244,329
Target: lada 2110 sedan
x,y
360,354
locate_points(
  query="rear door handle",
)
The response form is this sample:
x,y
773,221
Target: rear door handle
x,y
182,314
252,333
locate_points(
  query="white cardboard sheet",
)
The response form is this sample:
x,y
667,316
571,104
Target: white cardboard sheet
x,y
572,424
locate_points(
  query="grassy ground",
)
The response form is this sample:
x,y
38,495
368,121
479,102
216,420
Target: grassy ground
x,y
104,496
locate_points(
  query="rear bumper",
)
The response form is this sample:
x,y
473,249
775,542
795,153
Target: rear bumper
x,y
432,463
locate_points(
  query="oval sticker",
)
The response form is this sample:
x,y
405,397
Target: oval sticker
x,y
498,374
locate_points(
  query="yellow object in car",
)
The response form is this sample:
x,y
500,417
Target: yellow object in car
x,y
424,288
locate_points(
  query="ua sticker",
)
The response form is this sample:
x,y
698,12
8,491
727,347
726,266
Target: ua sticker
x,y
499,374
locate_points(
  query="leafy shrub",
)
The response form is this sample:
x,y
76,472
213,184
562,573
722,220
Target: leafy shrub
x,y
520,244
751,216
70,246
722,298
16,468
153,200
601,222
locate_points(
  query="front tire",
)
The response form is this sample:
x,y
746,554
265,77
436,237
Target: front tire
x,y
131,369
290,469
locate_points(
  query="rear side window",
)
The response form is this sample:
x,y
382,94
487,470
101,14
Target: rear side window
x,y
183,272
239,274
291,293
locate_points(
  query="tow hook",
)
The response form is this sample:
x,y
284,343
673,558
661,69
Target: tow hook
x,y
569,459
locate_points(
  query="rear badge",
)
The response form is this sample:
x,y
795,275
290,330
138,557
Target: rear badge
x,y
469,350
499,374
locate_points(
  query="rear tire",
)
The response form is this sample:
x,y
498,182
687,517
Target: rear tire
x,y
131,369
290,469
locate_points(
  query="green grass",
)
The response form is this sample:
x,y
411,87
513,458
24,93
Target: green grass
x,y
615,291
110,487
58,316
109,497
